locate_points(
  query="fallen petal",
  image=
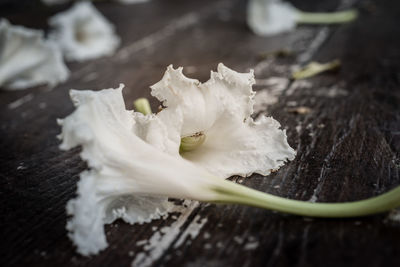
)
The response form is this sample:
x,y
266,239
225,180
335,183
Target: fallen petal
x,y
27,60
83,33
270,17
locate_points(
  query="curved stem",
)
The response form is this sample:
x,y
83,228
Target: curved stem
x,y
327,18
229,192
142,105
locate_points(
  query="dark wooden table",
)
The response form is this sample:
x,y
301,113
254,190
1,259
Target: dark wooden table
x,y
347,145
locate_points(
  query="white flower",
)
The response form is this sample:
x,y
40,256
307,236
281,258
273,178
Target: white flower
x,y
131,179
27,60
134,159
83,33
269,17
220,110
127,176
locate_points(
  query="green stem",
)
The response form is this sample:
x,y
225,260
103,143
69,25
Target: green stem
x,y
142,105
327,18
229,192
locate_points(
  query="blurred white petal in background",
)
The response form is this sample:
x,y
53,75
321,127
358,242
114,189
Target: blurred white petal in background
x,y
27,59
269,17
83,33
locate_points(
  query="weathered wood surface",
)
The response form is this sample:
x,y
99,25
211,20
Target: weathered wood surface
x,y
347,146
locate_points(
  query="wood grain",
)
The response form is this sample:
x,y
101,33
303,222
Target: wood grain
x,y
347,145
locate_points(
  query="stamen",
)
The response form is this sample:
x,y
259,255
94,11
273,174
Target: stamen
x,y
190,143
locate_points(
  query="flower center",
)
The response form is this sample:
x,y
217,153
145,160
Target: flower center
x,y
190,143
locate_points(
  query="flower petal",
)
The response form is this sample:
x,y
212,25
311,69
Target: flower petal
x,y
175,90
27,60
237,148
202,104
94,207
221,109
156,131
83,33
126,172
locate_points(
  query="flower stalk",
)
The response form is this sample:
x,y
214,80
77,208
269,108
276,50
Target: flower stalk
x,y
327,18
231,193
